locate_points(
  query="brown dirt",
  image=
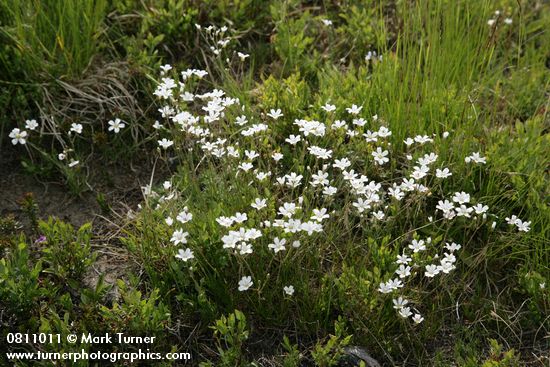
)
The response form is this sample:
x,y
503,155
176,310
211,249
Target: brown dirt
x,y
120,186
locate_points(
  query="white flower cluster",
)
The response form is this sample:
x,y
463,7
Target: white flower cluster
x,y
497,16
179,236
303,198
19,136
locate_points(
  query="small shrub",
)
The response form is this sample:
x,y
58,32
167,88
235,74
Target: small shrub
x,y
136,314
328,354
20,289
67,253
500,358
230,333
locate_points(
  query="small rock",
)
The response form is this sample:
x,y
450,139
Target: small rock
x,y
354,355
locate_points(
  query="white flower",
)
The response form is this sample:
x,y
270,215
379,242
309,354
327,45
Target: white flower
x,y
287,210
423,139
385,288
77,128
361,205
327,22
452,247
342,163
275,114
379,214
225,221
476,158
329,107
449,258
245,248
252,234
185,255
431,271
277,245
277,157
508,21
417,318
463,211
289,290
395,283
241,120
116,125
311,227
354,109
445,206
427,159
319,179
491,22
420,172
461,197
169,221
242,56
73,163
200,73
18,136
168,111
293,180
329,190
319,214
370,136
31,124
319,152
293,139
446,266
403,271
262,175
239,217
405,312
383,132
338,124
408,142
165,68
251,154
296,244
380,156
259,204
417,245
245,166
444,173
184,217
408,185
313,127
179,236
165,143
512,220
396,192
523,226
61,156
403,259
480,208
245,283
359,122
399,303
